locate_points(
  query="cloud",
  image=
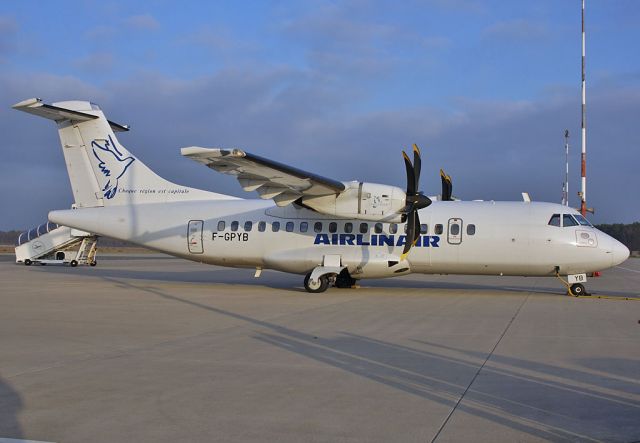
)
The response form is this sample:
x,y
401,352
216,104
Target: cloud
x,y
101,32
516,29
468,6
436,42
96,63
143,22
218,40
492,149
8,31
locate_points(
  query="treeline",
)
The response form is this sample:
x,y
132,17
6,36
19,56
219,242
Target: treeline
x,y
11,237
627,234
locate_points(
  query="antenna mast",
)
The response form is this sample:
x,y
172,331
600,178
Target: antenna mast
x,y
565,187
583,191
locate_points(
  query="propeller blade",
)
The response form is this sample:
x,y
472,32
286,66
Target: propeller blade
x,y
418,227
417,164
447,186
414,201
413,233
411,177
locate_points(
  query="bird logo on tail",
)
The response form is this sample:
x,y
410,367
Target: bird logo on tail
x,y
112,164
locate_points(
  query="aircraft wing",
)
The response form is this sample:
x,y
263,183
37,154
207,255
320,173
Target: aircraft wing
x,y
272,180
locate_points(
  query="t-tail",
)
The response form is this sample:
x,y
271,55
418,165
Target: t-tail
x,y
102,171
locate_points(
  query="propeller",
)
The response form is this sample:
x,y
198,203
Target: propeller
x,y
447,186
415,200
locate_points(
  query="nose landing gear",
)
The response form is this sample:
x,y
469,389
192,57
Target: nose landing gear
x,y
573,287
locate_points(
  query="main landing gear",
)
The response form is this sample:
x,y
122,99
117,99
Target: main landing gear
x,y
317,285
323,282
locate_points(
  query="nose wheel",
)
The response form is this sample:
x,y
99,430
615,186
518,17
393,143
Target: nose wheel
x,y
578,289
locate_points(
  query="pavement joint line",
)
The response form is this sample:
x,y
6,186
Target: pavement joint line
x,y
118,353
446,420
629,269
19,440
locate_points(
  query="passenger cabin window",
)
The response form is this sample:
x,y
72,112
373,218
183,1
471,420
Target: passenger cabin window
x,y
567,220
364,228
378,228
248,225
471,229
424,229
348,227
439,229
234,225
333,227
393,228
304,227
221,225
455,229
317,227
554,220
275,226
289,227
262,226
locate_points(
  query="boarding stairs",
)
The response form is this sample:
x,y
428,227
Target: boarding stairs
x,y
50,243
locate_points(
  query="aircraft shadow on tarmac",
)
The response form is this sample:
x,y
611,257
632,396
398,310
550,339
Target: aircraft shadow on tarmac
x,y
10,407
289,282
540,399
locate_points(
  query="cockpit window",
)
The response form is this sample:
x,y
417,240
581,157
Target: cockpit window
x,y
568,220
583,221
555,220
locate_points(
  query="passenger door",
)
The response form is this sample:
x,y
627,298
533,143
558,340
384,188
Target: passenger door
x,y
194,236
454,231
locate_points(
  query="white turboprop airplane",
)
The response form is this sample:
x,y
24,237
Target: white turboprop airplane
x,y
330,231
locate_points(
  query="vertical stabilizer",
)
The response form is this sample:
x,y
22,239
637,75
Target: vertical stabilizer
x,y
102,171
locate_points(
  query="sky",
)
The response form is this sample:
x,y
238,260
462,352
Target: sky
x,y
485,88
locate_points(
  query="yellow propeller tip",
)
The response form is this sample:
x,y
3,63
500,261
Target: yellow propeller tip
x,y
416,149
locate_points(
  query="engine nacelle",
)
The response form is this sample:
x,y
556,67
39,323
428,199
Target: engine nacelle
x,y
365,201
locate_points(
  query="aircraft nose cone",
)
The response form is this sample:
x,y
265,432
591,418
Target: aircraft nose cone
x,y
619,253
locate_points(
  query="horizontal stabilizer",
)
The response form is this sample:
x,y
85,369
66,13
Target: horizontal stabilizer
x,y
35,106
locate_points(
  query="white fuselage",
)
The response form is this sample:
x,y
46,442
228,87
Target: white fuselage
x,y
492,238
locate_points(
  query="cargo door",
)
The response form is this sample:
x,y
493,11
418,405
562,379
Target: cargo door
x,y
194,236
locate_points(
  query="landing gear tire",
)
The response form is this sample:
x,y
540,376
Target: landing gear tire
x,y
345,282
27,262
93,263
321,285
73,263
578,289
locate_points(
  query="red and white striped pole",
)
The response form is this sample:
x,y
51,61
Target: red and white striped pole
x,y
583,192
